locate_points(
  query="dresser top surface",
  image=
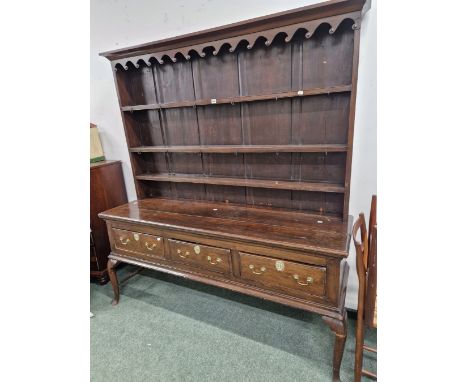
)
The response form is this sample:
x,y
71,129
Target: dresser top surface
x,y
295,230
103,163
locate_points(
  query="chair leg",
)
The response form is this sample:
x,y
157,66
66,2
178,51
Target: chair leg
x,y
359,347
111,264
340,328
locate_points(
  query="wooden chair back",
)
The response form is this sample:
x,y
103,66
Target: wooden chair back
x,y
362,251
370,311
365,242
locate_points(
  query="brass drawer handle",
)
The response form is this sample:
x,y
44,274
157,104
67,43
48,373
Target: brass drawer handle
x,y
252,268
218,260
187,253
127,240
309,280
150,247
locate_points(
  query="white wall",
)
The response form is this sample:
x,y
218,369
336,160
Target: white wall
x,y
120,23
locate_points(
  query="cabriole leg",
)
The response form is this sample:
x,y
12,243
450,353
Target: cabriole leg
x,y
340,328
111,264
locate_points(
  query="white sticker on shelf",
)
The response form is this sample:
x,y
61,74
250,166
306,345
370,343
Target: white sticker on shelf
x,y
300,92
213,100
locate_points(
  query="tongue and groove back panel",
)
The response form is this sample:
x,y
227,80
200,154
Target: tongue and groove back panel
x,y
267,123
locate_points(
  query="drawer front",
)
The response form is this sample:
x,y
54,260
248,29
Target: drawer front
x,y
203,256
292,278
152,246
126,240
138,244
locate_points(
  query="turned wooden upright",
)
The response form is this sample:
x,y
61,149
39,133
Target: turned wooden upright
x,y
240,139
366,266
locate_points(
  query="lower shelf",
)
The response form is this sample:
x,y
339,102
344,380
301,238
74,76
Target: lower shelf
x,y
256,183
227,149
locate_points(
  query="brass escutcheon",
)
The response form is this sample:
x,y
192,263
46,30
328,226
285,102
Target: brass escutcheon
x,y
136,236
279,265
197,249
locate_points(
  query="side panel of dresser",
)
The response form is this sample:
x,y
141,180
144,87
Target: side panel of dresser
x,y
107,190
303,280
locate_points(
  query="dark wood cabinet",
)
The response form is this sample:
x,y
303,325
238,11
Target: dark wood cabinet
x,y
107,191
240,139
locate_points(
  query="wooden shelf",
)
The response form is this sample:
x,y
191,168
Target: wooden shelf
x,y
256,183
319,148
251,98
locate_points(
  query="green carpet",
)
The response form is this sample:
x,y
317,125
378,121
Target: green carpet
x,y
166,328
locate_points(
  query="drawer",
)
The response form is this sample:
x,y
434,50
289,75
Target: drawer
x,y
126,240
203,256
138,244
293,278
152,246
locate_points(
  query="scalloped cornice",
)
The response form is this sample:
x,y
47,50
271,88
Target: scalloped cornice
x,y
333,13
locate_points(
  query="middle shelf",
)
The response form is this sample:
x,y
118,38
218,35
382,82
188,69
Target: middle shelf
x,y
256,183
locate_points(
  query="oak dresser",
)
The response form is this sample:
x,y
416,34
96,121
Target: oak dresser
x,y
240,139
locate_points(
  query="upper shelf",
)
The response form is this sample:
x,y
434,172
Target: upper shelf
x,y
220,149
249,98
